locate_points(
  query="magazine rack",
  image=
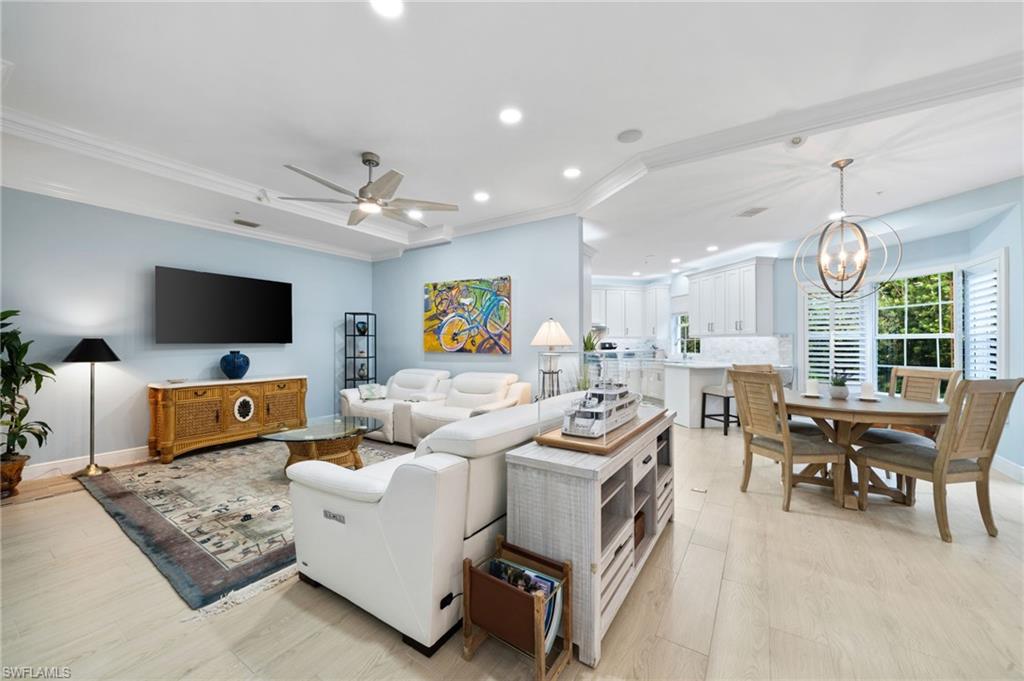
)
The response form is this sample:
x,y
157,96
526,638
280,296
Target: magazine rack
x,y
493,607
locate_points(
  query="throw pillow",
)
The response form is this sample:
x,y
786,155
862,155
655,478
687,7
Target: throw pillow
x,y
372,391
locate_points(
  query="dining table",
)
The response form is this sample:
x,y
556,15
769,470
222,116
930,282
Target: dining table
x,y
844,422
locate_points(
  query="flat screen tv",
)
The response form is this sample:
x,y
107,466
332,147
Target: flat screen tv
x,y
200,307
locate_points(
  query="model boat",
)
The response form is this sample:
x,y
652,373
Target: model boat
x,y
605,407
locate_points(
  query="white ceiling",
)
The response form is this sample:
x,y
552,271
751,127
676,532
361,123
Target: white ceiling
x,y
899,162
236,90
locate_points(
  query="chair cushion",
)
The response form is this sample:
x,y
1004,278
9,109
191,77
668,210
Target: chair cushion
x,y
914,456
889,436
804,428
496,431
473,388
378,409
408,382
802,445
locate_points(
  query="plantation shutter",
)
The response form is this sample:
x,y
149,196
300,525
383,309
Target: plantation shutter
x,y
981,321
837,338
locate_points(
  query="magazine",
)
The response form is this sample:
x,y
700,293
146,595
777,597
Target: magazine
x,y
532,581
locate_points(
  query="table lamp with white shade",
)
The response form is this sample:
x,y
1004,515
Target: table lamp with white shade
x,y
550,335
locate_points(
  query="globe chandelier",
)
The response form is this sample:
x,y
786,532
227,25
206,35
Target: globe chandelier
x,y
850,261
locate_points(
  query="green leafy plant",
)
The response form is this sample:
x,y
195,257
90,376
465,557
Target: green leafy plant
x,y
589,342
16,373
839,378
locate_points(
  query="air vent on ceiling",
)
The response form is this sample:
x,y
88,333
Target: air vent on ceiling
x,y
245,223
751,212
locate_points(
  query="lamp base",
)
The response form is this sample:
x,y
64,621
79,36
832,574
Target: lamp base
x,y
90,471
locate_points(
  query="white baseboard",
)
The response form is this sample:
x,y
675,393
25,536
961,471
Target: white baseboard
x,y
54,469
1008,468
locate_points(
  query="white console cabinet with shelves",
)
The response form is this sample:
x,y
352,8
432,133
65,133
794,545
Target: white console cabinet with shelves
x,y
584,507
632,312
734,300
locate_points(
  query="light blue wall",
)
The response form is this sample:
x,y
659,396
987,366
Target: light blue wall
x,y
1004,229
543,259
76,270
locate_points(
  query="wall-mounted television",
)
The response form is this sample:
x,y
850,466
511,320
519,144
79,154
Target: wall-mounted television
x,y
200,307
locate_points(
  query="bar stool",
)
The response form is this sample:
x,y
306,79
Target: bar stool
x,y
725,393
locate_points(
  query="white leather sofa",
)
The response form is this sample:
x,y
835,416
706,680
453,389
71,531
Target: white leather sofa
x,y
468,394
391,537
396,408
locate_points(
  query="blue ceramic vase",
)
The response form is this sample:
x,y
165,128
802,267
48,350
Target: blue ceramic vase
x,y
234,364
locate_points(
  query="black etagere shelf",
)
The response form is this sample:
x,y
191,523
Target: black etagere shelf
x,y
360,348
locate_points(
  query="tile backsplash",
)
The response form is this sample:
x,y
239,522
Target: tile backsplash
x,y
748,349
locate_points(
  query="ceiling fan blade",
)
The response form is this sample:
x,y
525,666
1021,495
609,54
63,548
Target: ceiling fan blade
x,y
395,214
416,204
385,186
356,216
302,198
324,182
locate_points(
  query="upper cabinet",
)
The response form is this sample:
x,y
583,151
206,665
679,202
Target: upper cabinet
x,y
734,300
633,312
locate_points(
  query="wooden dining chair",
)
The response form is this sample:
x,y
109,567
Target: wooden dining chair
x,y
964,452
761,403
918,385
798,427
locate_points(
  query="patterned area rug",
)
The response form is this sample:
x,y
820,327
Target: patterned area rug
x,y
211,522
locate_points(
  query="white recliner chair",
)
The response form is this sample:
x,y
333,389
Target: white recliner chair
x,y
391,537
469,394
395,410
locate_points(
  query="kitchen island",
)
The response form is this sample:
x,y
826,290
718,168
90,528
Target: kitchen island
x,y
685,382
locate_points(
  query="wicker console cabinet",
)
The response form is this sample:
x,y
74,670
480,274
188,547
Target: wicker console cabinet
x,y
187,416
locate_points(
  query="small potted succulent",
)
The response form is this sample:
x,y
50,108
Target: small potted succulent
x,y
16,373
837,386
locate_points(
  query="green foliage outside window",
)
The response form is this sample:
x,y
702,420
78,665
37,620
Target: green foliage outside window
x,y
915,324
687,345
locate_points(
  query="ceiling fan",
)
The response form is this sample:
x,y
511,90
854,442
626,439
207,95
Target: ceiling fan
x,y
374,197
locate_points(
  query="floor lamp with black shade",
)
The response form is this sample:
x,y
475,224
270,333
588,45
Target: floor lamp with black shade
x,y
92,350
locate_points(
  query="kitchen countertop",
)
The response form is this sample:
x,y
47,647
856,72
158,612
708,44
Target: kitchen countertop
x,y
699,364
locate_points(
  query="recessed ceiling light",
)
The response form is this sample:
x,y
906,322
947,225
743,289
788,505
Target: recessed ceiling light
x,y
712,249
636,274
630,136
836,215
481,197
510,116
675,261
675,270
414,214
389,9
571,173
369,207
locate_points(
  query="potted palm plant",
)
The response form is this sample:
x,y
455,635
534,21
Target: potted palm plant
x,y
16,373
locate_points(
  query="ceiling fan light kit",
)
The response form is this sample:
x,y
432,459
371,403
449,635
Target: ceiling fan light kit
x,y
842,252
376,197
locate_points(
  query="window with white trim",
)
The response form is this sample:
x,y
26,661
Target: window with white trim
x,y
914,324
982,325
837,337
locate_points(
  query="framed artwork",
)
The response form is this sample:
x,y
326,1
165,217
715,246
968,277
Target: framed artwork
x,y
468,315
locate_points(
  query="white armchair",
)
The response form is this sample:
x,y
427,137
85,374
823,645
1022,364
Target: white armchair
x,y
391,537
395,410
469,394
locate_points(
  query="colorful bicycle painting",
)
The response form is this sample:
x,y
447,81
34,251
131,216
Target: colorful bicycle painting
x,y
468,315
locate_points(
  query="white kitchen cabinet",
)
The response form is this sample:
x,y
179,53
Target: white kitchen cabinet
x,y
634,303
615,312
734,300
633,312
598,306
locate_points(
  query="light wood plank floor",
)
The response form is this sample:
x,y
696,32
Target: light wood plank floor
x,y
736,589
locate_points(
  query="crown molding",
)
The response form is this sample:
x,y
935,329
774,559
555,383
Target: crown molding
x,y
41,131
126,206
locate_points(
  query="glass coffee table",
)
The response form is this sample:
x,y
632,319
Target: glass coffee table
x,y
334,439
